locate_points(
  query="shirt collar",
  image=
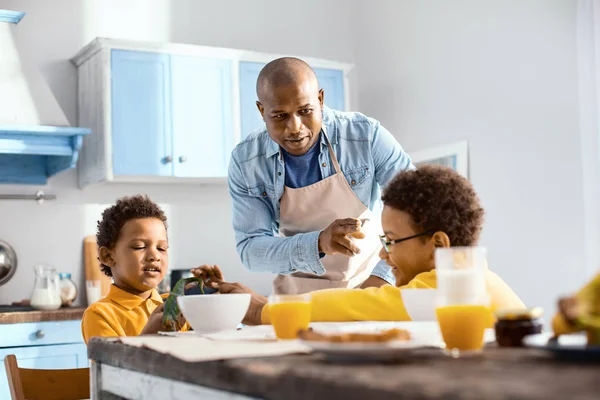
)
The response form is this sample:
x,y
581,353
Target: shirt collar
x,y
328,128
129,300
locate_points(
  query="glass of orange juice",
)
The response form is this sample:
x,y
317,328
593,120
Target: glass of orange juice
x,y
289,314
462,305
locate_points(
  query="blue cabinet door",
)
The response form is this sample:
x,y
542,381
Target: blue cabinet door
x,y
202,116
141,131
44,357
330,80
332,83
251,120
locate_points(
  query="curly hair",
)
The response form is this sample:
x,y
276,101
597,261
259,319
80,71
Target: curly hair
x,y
438,199
114,217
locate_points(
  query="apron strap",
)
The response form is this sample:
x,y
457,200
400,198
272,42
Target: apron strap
x,y
334,160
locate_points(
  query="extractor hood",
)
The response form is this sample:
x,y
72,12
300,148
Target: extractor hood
x,y
36,140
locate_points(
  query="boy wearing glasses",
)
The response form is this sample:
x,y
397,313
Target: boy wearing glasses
x,y
424,209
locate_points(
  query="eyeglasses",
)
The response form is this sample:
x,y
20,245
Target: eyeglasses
x,y
387,243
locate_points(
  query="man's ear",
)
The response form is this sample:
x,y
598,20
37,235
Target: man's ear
x,y
321,97
440,239
261,109
105,256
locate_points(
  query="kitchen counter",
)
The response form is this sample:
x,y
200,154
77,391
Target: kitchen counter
x,y
499,373
63,314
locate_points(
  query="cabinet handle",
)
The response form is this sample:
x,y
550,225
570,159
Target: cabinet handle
x,y
40,334
182,159
167,159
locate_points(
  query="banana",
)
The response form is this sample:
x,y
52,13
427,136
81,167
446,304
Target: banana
x,y
580,313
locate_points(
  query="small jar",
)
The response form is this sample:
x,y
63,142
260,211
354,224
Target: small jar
x,y
68,289
513,325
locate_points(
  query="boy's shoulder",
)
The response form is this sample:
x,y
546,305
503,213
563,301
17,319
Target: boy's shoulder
x,y
100,306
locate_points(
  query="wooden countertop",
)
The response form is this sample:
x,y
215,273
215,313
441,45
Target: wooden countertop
x,y
499,373
63,314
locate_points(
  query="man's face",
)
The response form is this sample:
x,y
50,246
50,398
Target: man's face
x,y
293,115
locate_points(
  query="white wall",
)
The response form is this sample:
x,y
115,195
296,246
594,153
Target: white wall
x,y
200,217
501,74
498,73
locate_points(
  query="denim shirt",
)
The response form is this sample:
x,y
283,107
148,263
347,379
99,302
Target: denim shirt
x,y
369,157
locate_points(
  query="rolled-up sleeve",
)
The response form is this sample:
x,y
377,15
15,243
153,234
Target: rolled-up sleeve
x,y
383,271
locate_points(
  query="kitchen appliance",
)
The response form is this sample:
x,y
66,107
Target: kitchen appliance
x,y
8,262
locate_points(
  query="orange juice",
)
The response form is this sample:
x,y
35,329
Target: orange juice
x,y
289,317
463,326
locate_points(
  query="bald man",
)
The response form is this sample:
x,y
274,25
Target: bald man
x,y
304,189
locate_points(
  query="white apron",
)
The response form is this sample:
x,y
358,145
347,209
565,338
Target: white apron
x,y
314,208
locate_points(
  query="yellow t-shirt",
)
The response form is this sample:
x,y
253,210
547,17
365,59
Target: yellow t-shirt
x,y
385,303
120,313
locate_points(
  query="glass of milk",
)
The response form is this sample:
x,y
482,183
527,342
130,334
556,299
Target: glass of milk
x,y
46,290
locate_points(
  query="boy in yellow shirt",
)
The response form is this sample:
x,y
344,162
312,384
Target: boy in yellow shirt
x,y
133,250
424,209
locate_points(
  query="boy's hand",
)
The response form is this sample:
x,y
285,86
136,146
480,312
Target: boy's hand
x,y
210,274
570,308
154,323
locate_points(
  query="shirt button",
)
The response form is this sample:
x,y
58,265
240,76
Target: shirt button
x,y
324,164
264,194
353,182
279,173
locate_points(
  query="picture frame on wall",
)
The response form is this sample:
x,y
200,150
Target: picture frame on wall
x,y
454,155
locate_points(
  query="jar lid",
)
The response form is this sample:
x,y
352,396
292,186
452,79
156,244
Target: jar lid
x,y
516,313
64,275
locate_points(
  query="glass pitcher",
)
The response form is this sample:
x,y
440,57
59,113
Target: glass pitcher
x,y
46,290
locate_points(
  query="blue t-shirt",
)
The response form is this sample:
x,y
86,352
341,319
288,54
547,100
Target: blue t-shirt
x,y
304,170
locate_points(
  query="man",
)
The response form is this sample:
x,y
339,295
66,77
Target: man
x,y
312,177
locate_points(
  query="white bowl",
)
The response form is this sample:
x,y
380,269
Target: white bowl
x,y
209,313
419,303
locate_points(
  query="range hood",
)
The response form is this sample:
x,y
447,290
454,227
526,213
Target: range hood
x,y
36,140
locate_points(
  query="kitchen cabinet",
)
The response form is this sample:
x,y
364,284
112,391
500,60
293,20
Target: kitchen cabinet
x,y
330,80
165,112
158,115
42,345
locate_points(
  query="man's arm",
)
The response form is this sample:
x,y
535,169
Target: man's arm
x,y
388,156
259,250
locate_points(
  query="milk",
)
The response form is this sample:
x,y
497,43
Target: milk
x,y
461,287
93,291
45,299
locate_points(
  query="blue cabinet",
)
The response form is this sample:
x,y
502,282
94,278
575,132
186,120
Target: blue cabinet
x,y
202,116
330,80
141,126
251,120
42,345
332,83
165,112
172,115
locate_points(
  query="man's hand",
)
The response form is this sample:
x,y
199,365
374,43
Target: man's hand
x,y
154,323
334,239
257,302
210,274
